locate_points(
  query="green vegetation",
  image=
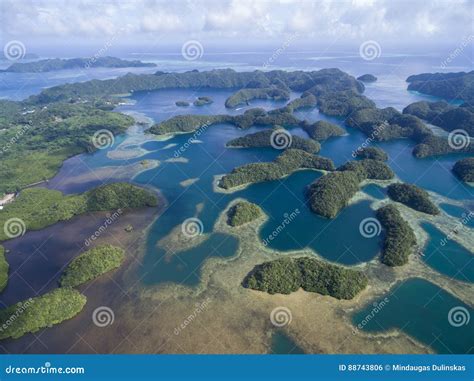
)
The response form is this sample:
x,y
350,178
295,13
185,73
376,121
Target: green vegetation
x,y
445,85
92,264
51,64
40,312
464,169
40,207
444,115
288,162
369,169
367,78
286,275
243,96
242,213
343,103
182,103
399,237
35,144
307,100
3,269
322,130
413,197
437,145
332,192
187,123
201,101
264,139
373,153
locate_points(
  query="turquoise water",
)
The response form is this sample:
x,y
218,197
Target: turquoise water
x,y
464,214
282,344
422,310
447,256
375,191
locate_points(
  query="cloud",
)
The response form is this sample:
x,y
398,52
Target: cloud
x,y
240,19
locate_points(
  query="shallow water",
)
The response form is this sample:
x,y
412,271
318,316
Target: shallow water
x,y
282,344
422,310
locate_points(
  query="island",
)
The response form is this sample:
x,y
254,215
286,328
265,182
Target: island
x,y
182,103
399,240
367,78
244,96
333,191
413,197
242,213
52,64
202,101
464,169
322,130
445,85
373,153
286,163
40,312
272,137
36,208
287,275
91,264
306,101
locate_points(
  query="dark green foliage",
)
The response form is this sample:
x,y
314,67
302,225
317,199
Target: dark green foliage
x,y
3,269
286,163
443,115
412,196
201,101
243,96
343,103
437,145
40,312
322,130
367,78
369,169
242,213
373,153
399,237
119,196
263,139
331,192
182,103
464,169
187,123
92,264
286,275
51,64
307,100
446,85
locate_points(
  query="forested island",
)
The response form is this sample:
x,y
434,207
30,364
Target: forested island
x,y
322,130
244,96
367,78
287,275
464,169
52,64
399,240
289,161
413,197
242,213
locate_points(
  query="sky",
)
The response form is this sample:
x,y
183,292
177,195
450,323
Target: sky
x,y
236,22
